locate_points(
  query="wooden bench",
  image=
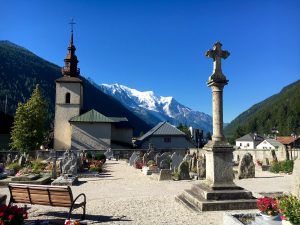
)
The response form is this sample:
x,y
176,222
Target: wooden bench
x,y
55,196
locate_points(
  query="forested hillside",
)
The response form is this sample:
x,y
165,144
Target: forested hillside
x,y
21,70
280,111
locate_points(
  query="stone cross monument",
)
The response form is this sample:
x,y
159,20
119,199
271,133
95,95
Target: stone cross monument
x,y
218,152
217,191
217,81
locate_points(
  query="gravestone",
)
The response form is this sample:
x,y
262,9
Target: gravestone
x,y
164,156
132,158
22,160
68,167
176,159
296,178
265,164
8,159
151,154
109,154
165,174
183,171
201,167
15,159
156,158
246,167
187,157
69,163
145,159
165,164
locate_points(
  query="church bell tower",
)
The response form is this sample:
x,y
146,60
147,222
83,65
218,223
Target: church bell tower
x,y
68,99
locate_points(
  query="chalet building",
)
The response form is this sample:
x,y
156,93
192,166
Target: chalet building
x,y
289,141
269,143
164,137
248,141
91,130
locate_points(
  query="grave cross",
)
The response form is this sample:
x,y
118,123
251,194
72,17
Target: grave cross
x,y
217,54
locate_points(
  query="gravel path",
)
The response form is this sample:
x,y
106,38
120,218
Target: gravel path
x,y
123,195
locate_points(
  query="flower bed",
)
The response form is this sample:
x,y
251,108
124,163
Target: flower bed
x,y
12,215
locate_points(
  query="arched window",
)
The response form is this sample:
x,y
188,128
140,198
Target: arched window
x,y
68,97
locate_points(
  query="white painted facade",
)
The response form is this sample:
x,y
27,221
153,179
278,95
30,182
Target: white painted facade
x,y
265,145
245,144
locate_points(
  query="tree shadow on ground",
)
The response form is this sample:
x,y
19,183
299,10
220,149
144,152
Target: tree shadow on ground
x,y
89,218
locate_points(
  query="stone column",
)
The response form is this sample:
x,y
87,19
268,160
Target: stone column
x,y
217,106
219,172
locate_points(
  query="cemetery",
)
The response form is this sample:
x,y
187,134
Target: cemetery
x,y
209,185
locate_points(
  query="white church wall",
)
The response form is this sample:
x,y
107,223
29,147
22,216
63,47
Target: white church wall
x,y
91,136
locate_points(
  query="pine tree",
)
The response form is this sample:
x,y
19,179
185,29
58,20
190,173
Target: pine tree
x,y
29,128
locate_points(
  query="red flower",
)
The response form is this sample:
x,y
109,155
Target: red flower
x,y
11,217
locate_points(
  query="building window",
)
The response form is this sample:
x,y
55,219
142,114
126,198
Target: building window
x,y
167,139
241,144
68,97
248,144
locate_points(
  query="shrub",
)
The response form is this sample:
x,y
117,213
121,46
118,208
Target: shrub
x,y
14,166
151,163
37,166
89,155
282,166
100,156
289,207
96,166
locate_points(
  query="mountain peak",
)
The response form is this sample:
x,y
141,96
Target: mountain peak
x,y
155,108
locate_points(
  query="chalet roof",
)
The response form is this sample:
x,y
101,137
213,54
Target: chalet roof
x,y
92,116
286,140
274,142
162,128
251,137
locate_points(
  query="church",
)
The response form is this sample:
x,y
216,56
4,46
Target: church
x,y
79,130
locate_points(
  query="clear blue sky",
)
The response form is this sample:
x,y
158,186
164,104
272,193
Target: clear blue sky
x,y
160,45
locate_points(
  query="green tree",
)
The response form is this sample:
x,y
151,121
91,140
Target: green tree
x,y
208,136
184,129
29,128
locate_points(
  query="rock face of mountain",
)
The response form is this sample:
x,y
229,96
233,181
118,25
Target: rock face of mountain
x,y
154,109
280,111
21,70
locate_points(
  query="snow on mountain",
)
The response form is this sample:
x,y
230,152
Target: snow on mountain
x,y
153,108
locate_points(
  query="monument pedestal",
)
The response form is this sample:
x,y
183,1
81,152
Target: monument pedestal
x,y
218,191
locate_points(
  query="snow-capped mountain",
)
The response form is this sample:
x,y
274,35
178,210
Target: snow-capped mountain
x,y
154,109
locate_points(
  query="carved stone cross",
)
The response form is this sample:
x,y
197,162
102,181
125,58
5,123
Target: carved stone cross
x,y
217,54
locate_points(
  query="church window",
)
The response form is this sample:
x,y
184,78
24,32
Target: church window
x,y
68,97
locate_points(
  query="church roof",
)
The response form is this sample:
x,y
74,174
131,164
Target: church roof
x,y
92,116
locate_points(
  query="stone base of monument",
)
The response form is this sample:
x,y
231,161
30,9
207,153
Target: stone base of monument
x,y
203,198
65,181
27,179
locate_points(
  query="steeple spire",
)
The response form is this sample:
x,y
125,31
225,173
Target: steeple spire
x,y
70,69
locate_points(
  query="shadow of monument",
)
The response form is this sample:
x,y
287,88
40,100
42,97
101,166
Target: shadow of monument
x,y
90,218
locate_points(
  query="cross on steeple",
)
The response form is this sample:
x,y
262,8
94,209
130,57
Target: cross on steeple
x,y
72,23
217,54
